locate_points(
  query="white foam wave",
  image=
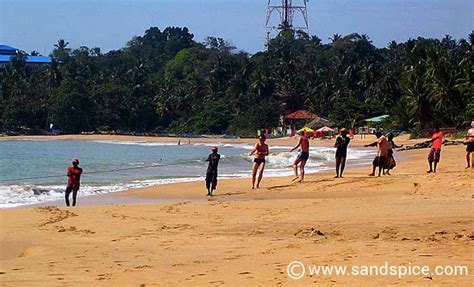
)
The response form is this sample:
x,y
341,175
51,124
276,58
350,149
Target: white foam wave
x,y
279,163
18,195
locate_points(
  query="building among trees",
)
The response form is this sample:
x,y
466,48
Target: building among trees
x,y
7,54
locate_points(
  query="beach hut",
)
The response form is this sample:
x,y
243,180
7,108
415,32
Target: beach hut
x,y
373,124
376,120
299,117
320,122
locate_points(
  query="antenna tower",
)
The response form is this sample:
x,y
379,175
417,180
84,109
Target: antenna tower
x,y
287,10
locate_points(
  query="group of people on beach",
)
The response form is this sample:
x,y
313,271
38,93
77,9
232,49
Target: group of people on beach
x,y
384,160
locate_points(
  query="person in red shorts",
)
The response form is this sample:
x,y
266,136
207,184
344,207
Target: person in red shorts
x,y
73,181
435,152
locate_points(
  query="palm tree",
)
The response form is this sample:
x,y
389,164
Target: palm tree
x,y
61,52
335,38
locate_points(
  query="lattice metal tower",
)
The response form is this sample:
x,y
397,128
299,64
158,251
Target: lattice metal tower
x,y
287,10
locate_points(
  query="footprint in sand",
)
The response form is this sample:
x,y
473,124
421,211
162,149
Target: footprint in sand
x,y
74,230
57,214
416,186
309,232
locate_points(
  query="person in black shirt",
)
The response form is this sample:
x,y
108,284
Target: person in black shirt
x,y
211,175
342,141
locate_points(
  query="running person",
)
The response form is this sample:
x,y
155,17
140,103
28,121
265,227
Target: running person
x,y
342,141
382,153
303,155
470,147
211,175
73,181
261,151
435,152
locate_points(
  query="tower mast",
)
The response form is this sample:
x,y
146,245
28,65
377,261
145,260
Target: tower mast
x,y
286,9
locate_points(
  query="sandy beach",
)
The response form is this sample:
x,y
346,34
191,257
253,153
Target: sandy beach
x,y
244,237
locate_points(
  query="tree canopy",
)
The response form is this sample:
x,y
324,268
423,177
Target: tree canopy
x,y
165,81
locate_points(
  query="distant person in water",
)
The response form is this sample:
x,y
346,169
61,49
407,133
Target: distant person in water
x,y
260,151
342,142
470,146
73,181
435,153
303,155
390,163
382,153
211,175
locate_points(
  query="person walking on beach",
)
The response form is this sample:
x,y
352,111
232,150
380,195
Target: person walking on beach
x,y
470,146
390,163
382,152
342,142
211,175
435,153
303,155
261,151
73,181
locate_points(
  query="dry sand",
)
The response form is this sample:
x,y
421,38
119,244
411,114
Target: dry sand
x,y
247,238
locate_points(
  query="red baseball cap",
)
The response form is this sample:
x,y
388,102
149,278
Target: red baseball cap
x,y
75,160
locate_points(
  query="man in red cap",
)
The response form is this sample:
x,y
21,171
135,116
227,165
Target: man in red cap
x,y
73,181
211,175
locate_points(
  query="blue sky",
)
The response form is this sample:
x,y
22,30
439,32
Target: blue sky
x,y
109,24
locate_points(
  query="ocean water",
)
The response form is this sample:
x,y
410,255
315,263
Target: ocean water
x,y
34,171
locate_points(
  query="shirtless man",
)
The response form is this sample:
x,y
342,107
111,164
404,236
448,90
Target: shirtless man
x,y
261,151
303,155
382,153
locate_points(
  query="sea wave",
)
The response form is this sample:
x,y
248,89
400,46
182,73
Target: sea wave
x,y
279,163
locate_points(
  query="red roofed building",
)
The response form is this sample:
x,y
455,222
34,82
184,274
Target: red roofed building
x,y
299,117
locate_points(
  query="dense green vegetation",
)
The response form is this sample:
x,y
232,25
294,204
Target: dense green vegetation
x,y
164,81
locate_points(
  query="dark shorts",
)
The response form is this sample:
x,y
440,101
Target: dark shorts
x,y
341,153
379,161
434,155
470,147
259,161
303,155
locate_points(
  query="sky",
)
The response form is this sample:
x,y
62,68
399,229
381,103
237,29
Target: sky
x,y
110,24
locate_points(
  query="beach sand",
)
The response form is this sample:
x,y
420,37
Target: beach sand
x,y
245,237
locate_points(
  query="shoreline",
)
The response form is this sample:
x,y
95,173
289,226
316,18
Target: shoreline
x,y
285,141
248,237
121,197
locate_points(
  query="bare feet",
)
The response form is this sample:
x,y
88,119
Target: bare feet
x,y
372,174
429,171
337,176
